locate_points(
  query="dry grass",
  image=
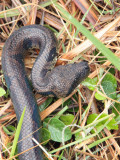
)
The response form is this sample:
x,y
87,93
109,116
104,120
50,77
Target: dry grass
x,y
72,46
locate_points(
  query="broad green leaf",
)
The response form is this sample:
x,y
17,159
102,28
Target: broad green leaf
x,y
99,97
45,136
46,122
112,124
90,83
55,126
116,110
111,78
78,136
109,85
109,89
67,119
91,118
118,119
2,92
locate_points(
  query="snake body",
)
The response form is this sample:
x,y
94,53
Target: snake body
x,y
59,81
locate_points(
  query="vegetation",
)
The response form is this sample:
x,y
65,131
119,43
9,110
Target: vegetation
x,y
86,124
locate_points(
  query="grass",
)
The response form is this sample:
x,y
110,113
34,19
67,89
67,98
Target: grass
x,y
14,146
91,113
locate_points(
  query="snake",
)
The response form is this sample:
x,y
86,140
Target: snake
x,y
46,79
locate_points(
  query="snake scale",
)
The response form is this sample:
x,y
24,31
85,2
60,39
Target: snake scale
x,y
47,80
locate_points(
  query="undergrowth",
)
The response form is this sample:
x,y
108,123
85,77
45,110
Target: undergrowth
x,y
86,124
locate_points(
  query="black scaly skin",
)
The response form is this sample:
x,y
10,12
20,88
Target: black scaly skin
x,y
60,81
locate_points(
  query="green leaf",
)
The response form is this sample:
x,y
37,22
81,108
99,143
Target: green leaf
x,y
45,104
109,85
105,51
99,97
45,136
46,122
17,134
108,2
81,139
11,128
112,124
118,119
67,119
78,136
55,126
111,78
109,89
90,83
91,118
2,92
6,129
116,110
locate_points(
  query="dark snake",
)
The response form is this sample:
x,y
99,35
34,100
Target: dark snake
x,y
47,80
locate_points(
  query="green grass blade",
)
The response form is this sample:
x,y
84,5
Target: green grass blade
x,y
17,134
15,11
105,51
99,141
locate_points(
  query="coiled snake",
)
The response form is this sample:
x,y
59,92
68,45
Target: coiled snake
x,y
60,81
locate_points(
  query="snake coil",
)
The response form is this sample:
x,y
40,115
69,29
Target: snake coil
x,y
59,81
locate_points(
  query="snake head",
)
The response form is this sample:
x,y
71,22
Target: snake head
x,y
64,79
